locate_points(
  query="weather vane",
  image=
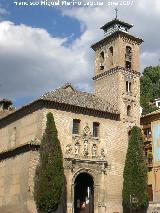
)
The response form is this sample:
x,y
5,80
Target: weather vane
x,y
116,9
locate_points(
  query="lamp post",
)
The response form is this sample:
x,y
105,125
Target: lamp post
x,y
130,199
133,199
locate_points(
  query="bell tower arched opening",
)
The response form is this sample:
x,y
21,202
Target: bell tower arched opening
x,y
128,57
110,57
84,194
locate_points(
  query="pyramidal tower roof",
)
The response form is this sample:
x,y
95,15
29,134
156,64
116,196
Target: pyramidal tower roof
x,y
116,25
115,28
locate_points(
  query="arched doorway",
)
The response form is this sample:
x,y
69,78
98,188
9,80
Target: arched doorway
x,y
84,194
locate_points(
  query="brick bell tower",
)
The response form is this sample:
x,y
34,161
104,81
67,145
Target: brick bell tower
x,y
117,76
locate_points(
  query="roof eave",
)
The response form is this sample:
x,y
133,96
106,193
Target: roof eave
x,y
114,21
40,103
117,33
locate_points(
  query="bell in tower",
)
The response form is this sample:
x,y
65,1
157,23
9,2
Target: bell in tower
x,y
117,73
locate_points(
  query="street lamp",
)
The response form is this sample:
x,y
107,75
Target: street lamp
x,y
130,199
133,199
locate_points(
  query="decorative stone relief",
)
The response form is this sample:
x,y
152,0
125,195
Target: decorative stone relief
x,y
76,138
86,130
87,133
103,154
95,167
68,149
85,146
76,149
94,150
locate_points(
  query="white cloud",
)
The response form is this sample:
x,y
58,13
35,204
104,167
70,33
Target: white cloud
x,y
149,6
149,58
32,61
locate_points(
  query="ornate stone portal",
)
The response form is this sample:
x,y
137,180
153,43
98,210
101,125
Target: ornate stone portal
x,y
86,155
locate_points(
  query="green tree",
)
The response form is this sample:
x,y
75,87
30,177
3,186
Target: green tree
x,y
49,178
135,174
150,88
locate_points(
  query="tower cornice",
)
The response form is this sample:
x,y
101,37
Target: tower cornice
x,y
114,70
116,35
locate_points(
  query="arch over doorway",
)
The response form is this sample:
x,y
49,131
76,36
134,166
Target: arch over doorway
x,y
84,193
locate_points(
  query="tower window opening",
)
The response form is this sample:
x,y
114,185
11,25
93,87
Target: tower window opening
x,y
101,60
128,86
110,56
128,110
128,57
102,57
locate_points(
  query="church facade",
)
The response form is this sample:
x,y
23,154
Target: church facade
x,y
92,129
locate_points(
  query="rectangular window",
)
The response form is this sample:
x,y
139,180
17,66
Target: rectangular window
x,y
150,193
76,126
95,129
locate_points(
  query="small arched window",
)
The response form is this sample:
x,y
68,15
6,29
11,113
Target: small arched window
x,y
110,56
128,110
128,57
102,57
101,60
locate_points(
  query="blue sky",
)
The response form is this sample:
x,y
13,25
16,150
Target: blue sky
x,y
42,47
46,17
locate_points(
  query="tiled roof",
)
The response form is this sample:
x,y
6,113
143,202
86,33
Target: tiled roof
x,y
68,95
151,113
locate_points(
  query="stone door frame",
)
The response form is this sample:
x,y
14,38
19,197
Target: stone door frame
x,y
95,187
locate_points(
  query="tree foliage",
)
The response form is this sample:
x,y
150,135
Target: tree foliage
x,y
49,178
150,87
135,173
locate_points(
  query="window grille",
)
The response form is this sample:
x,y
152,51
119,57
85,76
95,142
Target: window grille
x,y
95,129
76,126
